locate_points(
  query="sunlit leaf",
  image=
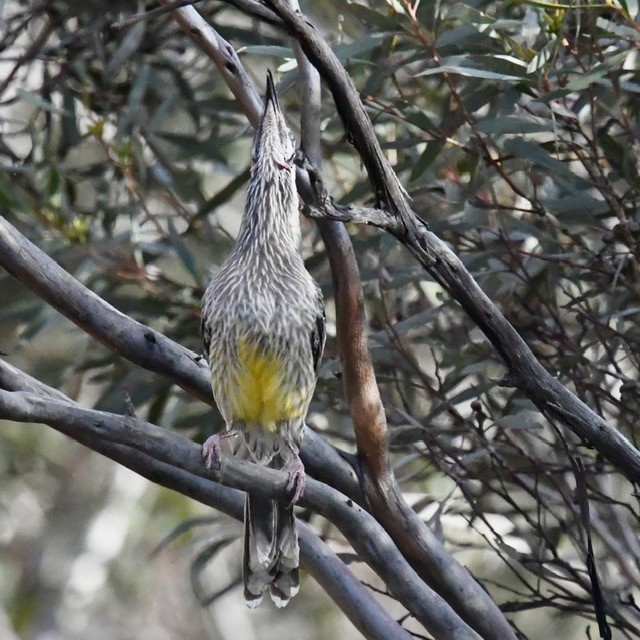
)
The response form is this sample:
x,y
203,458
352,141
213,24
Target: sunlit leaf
x,y
469,72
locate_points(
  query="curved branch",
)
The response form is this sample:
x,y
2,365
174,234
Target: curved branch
x,y
318,559
350,108
92,428
549,395
224,56
140,344
525,372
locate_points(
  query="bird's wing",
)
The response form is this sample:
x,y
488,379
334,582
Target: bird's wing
x,y
318,337
205,329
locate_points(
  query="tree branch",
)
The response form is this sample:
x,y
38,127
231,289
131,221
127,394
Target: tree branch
x,y
140,344
318,559
525,372
350,108
144,440
426,553
359,378
223,55
549,395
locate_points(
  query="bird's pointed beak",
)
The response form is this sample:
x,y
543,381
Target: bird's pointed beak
x,y
271,100
271,97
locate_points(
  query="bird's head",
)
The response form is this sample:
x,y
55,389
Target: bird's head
x,y
274,145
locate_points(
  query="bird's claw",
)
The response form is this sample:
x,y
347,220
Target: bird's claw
x,y
212,447
211,451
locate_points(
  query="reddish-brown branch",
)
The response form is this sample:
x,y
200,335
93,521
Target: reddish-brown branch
x,y
365,404
363,395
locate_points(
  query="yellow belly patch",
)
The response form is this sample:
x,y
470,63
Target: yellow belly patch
x,y
260,395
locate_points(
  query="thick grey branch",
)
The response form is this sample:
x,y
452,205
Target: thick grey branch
x,y
140,344
365,534
324,565
549,395
359,128
547,392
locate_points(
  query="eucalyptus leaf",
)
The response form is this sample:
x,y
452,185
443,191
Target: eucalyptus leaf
x,y
469,72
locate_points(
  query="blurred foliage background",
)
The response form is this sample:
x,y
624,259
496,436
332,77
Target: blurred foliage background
x,y
514,126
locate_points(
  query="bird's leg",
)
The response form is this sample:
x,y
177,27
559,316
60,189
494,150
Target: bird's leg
x,y
295,470
212,450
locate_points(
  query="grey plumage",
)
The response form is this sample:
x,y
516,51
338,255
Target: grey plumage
x,y
263,331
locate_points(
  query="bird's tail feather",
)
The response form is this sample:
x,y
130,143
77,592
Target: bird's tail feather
x,y
271,552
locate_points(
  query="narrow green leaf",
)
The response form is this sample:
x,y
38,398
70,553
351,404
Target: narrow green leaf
x,y
580,82
532,151
127,48
543,56
619,30
469,72
267,50
224,195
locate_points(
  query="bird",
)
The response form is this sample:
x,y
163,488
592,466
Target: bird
x,y
263,329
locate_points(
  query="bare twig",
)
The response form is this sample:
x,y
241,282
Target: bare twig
x,y
152,13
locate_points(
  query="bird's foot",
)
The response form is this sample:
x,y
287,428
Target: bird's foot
x,y
296,481
212,449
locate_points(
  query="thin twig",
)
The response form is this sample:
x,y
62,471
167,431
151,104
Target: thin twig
x,y
152,13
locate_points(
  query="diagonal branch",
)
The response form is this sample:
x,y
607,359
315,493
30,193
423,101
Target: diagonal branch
x,y
97,428
359,127
140,344
549,395
525,372
224,56
318,559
